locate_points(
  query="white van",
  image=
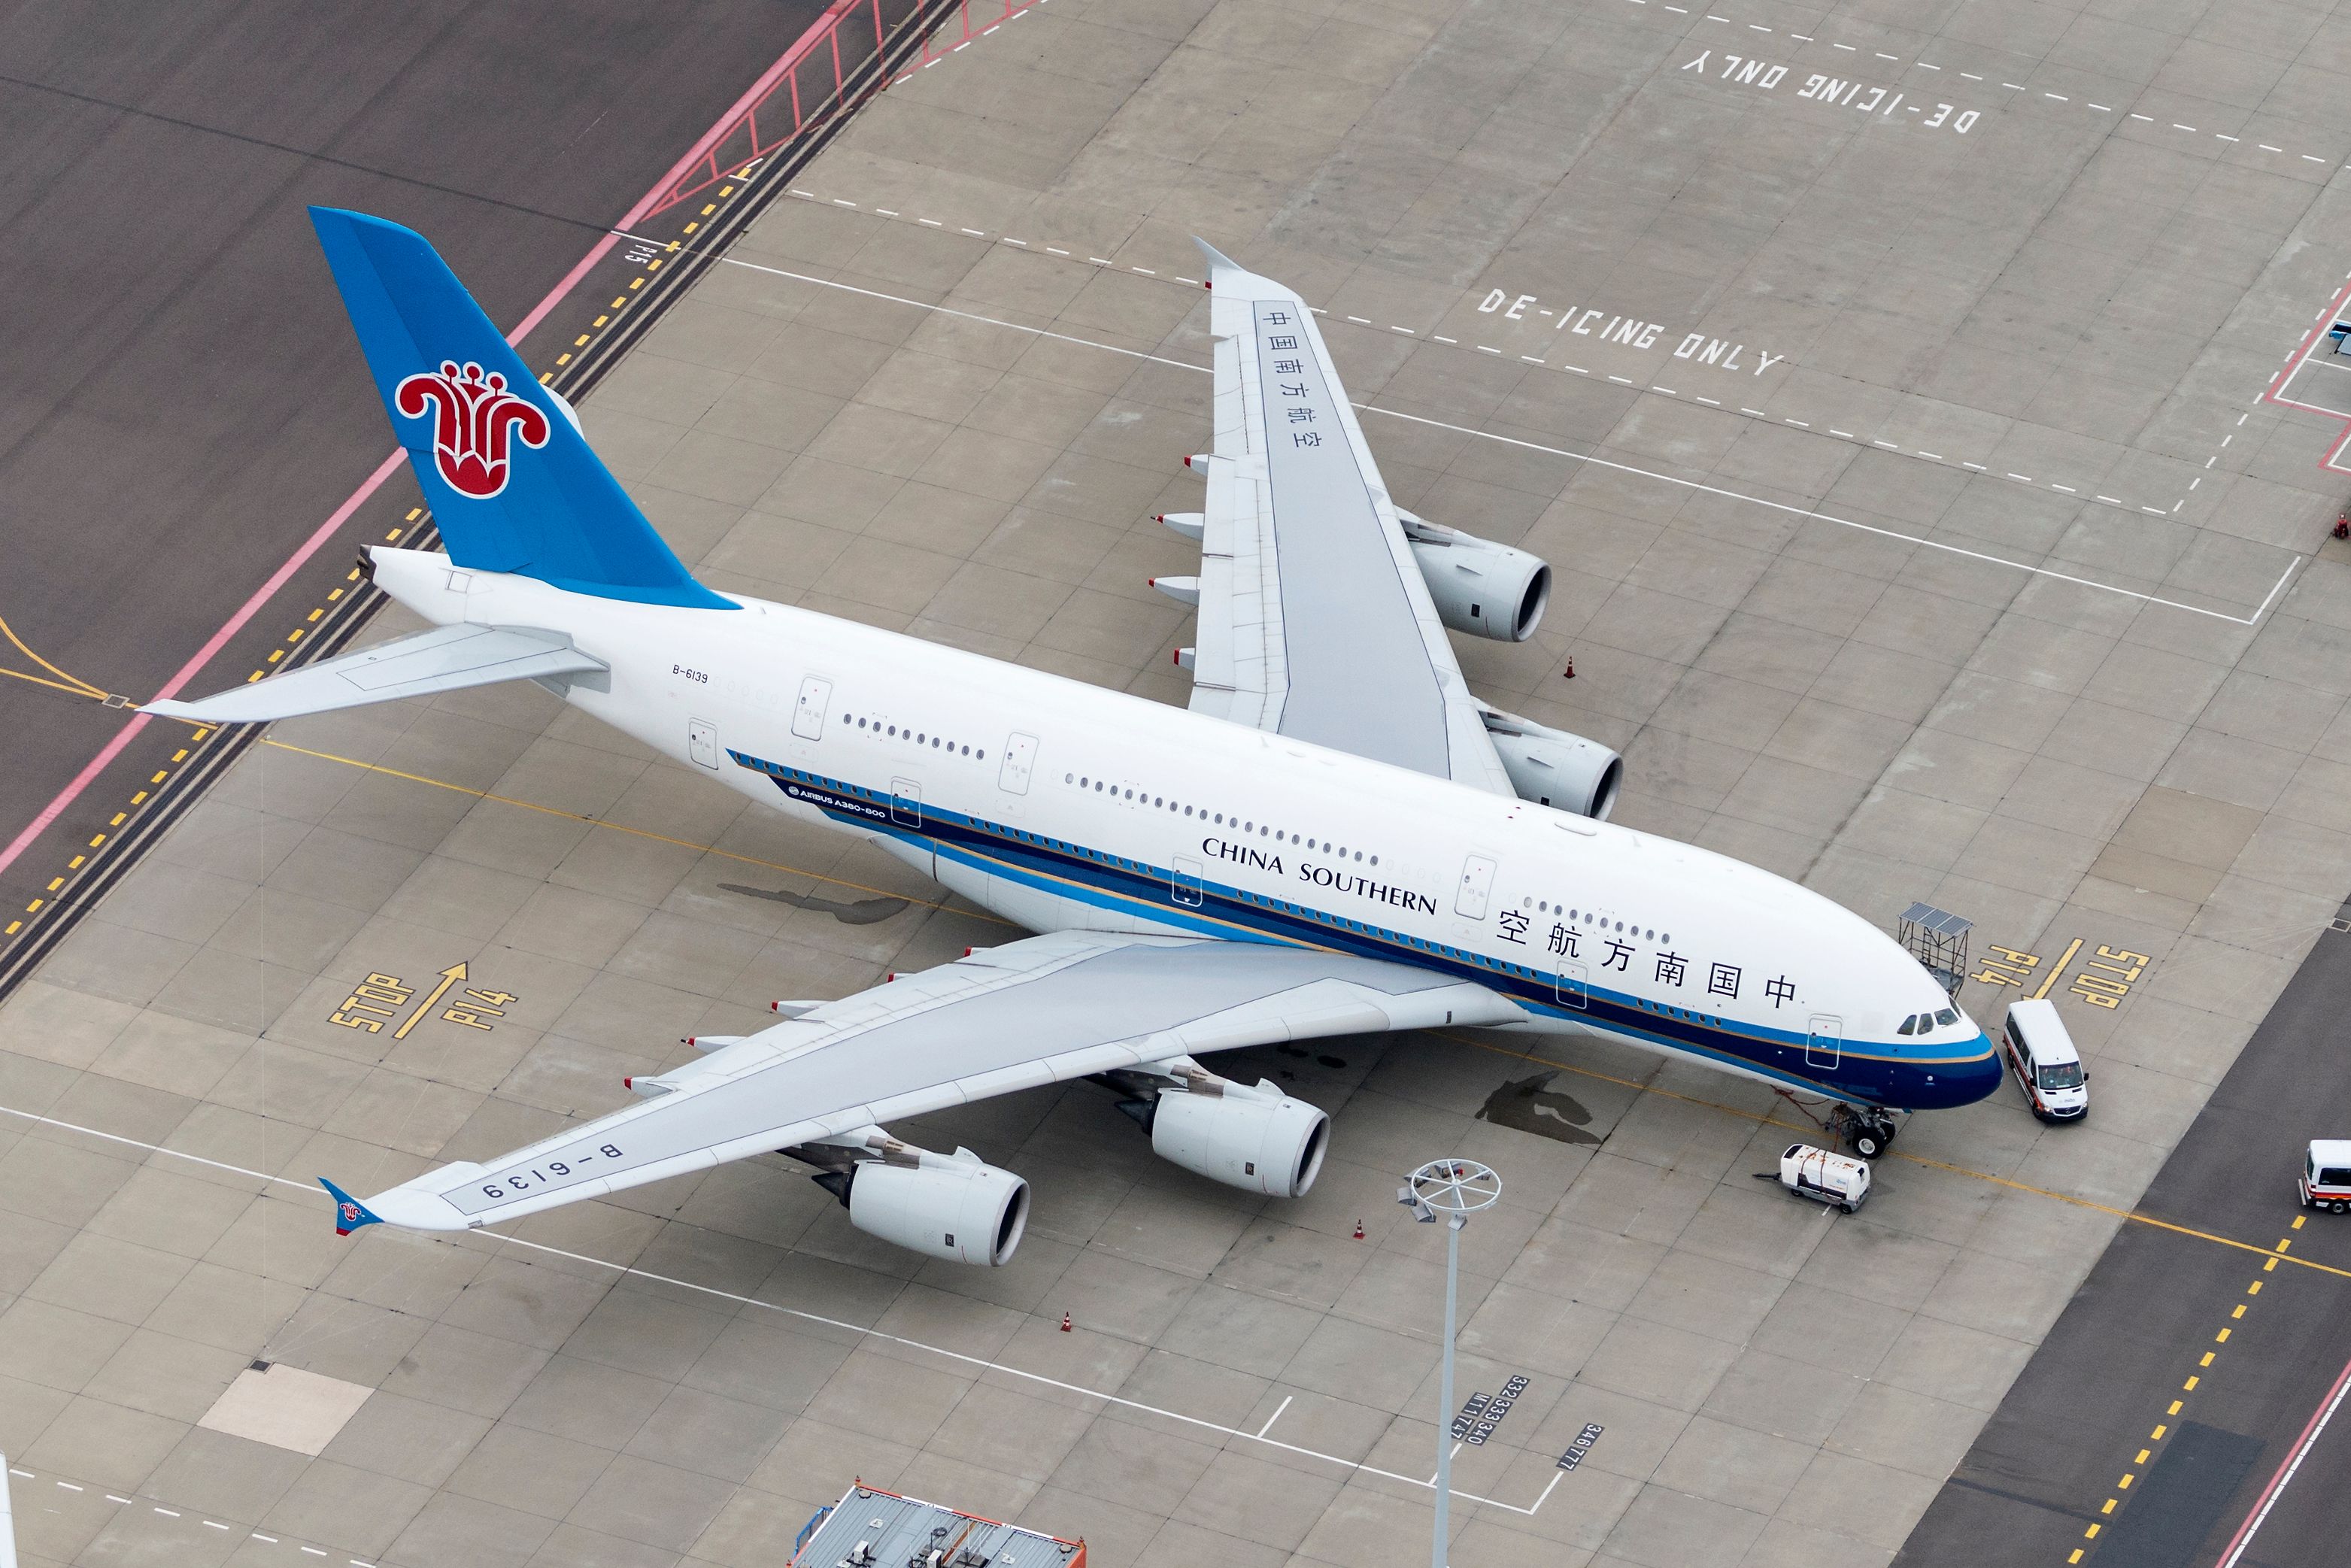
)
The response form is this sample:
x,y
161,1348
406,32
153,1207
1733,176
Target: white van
x,y
2041,1055
2326,1179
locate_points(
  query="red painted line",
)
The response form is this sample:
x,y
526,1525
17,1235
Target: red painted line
x,y
2310,1431
702,147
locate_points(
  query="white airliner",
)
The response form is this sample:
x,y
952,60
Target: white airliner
x,y
1336,839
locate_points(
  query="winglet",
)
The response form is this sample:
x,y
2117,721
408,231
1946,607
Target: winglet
x,y
1216,258
349,1212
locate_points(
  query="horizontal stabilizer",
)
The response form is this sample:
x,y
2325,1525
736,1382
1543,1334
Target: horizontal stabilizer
x,y
445,659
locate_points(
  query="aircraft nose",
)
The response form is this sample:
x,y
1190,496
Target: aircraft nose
x,y
1969,1082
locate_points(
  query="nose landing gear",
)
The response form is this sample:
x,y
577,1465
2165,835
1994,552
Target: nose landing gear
x,y
1868,1129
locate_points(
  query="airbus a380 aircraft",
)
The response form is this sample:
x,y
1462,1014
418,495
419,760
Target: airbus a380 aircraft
x,y
1337,838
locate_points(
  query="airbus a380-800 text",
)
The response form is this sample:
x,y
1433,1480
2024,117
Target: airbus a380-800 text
x,y
1336,838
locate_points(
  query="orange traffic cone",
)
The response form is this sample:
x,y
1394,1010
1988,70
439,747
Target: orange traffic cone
x,y
1571,671
1065,1322
1359,1230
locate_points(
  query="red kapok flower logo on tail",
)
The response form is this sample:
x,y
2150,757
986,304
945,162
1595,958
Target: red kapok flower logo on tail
x,y
473,418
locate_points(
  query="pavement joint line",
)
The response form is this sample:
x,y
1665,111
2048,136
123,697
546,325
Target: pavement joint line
x,y
1766,1119
623,828
312,1191
2012,87
1919,453
1592,458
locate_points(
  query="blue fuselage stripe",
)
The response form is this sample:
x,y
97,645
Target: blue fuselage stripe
x,y
1875,1073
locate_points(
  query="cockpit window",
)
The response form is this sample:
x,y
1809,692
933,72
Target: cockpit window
x,y
1907,1026
1947,1016
2062,1075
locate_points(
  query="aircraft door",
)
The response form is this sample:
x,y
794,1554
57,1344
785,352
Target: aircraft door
x,y
1019,758
1574,986
1184,882
808,714
1824,1046
906,802
701,742
1476,887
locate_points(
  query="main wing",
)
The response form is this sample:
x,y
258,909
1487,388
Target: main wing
x,y
1032,1012
1314,620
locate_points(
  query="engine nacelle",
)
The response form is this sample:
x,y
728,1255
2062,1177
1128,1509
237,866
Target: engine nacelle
x,y
1555,768
1488,589
962,1209
1258,1140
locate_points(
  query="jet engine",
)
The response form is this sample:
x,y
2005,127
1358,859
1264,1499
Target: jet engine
x,y
1552,767
1488,589
1255,1138
953,1206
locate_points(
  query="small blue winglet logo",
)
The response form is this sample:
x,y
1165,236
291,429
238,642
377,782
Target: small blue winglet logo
x,y
349,1212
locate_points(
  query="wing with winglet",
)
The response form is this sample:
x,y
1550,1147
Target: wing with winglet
x,y
1314,619
1033,1012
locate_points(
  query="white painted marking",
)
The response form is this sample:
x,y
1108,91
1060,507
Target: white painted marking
x,y
1977,466
1620,379
2308,159
1925,66
1099,260
215,1524
1707,401
1359,320
2224,138
2109,500
931,222
1405,330
2026,477
1022,243
1799,425
2148,118
981,234
1846,47
886,211
2102,109
1056,250
1668,390
168,1513
1930,456
1145,270
1484,350
2197,480
1531,359
2267,148
2059,97
1885,444
839,202
2067,488
1846,434
270,1539
1971,76
1439,338
960,1357
1883,56
1579,370
2176,126
1269,1420
1756,412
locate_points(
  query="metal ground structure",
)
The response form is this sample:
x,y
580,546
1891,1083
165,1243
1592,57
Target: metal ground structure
x,y
1920,531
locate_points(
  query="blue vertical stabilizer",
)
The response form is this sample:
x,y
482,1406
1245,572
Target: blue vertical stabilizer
x,y
512,483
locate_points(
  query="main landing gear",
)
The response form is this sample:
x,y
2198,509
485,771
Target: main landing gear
x,y
1869,1129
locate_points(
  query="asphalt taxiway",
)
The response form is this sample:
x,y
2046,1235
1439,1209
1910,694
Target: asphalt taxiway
x,y
182,410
